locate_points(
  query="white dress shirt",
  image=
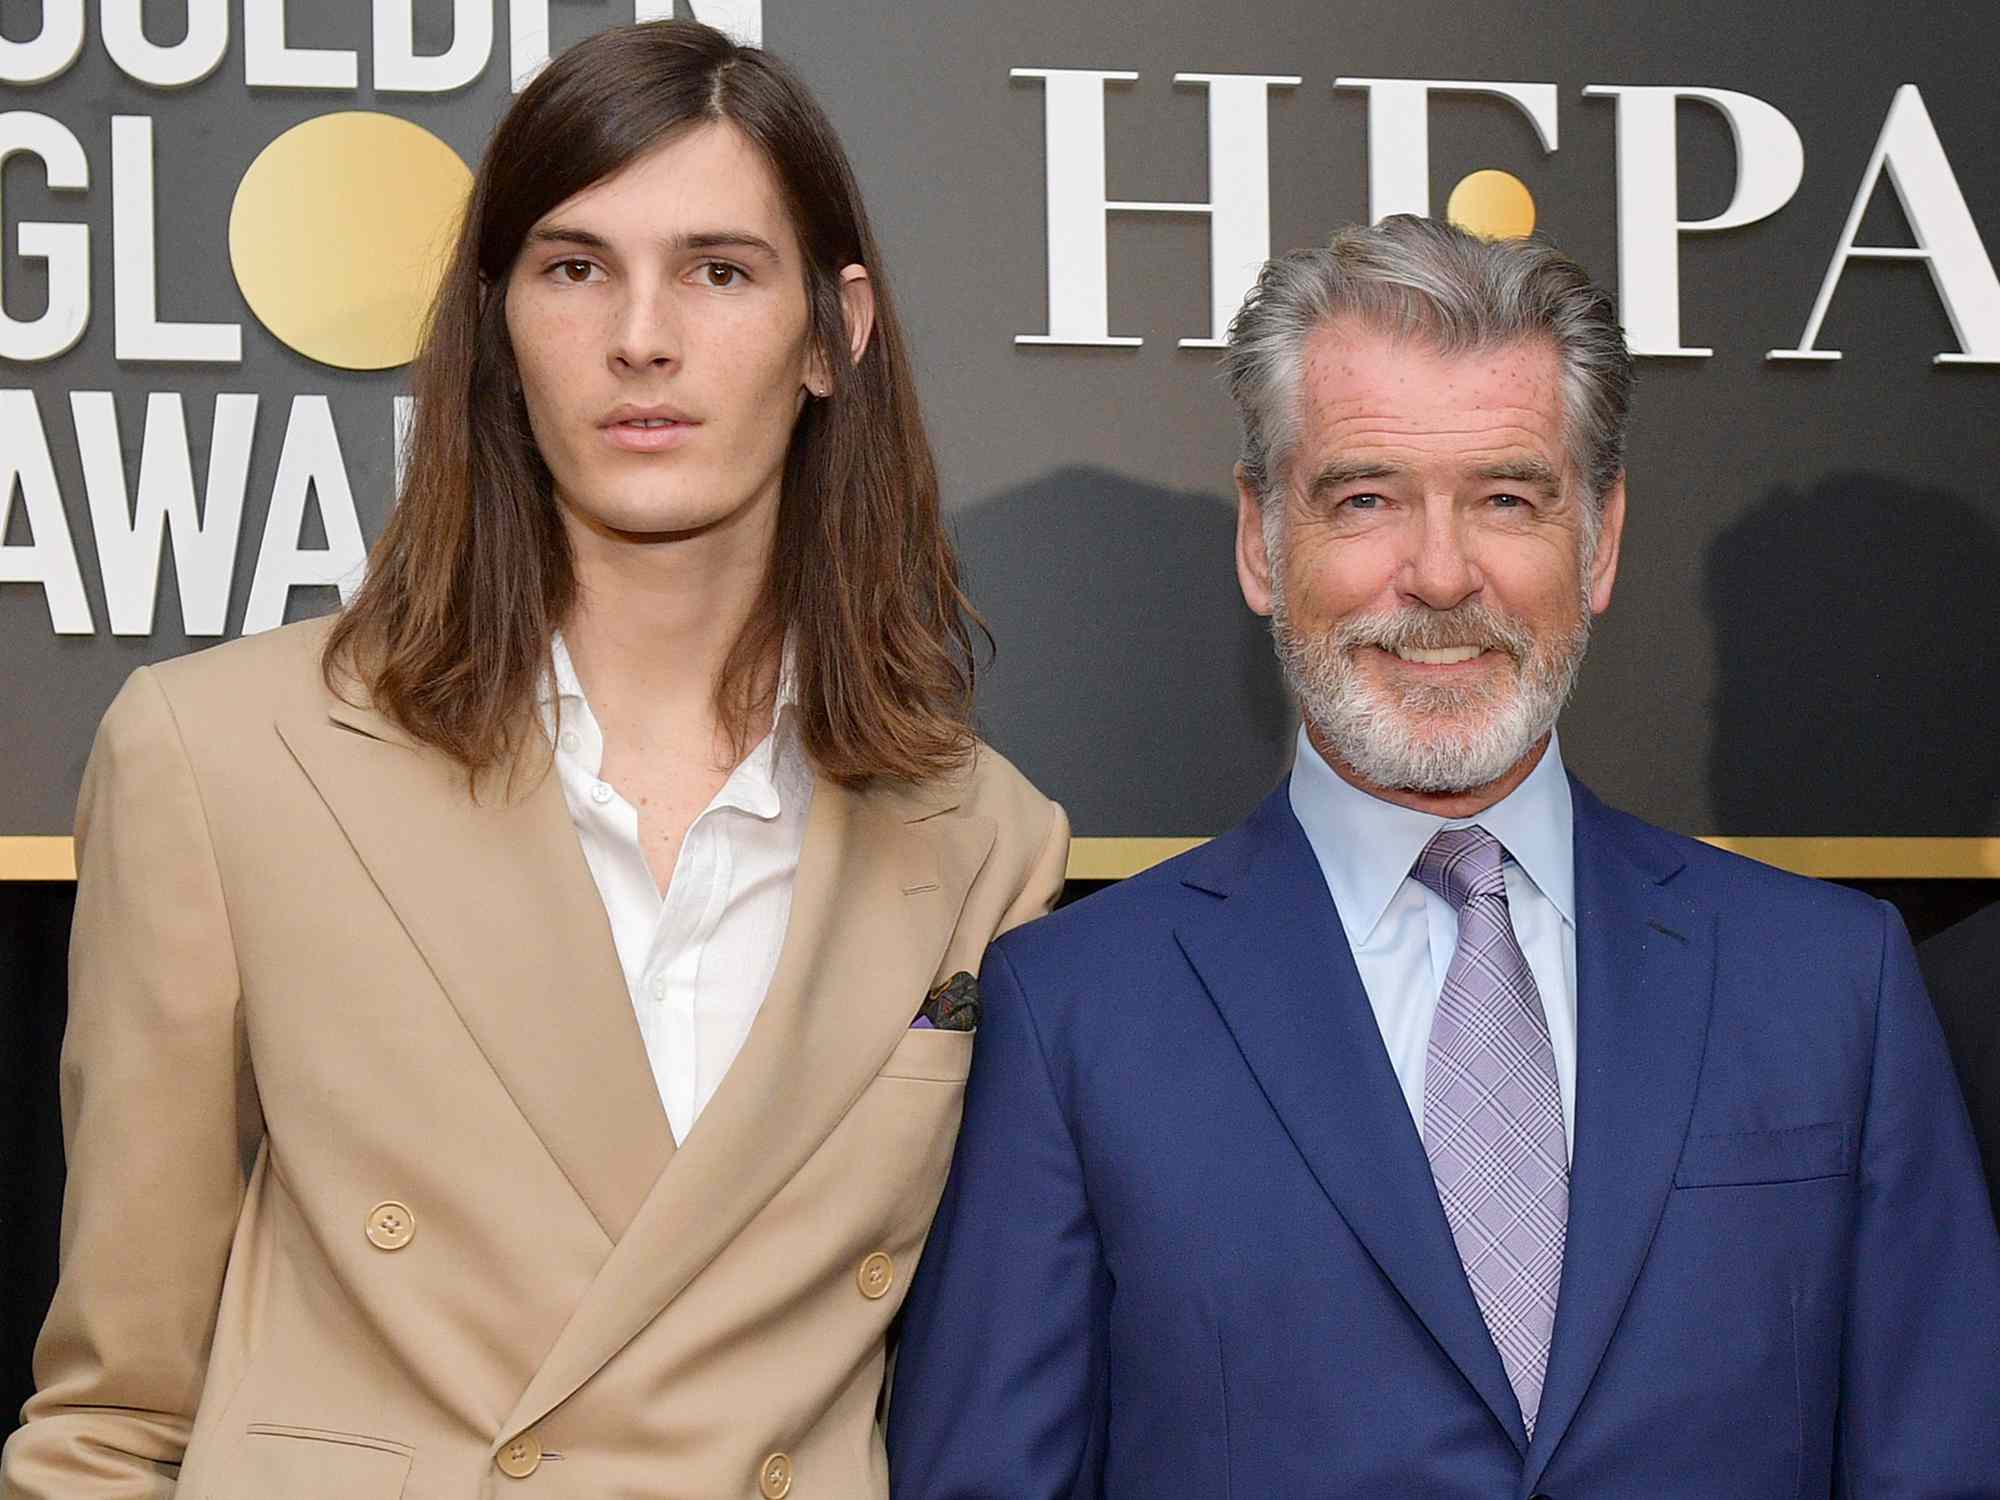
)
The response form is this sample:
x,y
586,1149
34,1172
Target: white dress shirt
x,y
697,960
1403,936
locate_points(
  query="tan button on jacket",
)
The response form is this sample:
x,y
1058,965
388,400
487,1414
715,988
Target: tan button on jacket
x,y
371,1194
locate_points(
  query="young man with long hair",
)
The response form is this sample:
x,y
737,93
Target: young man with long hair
x,y
518,1028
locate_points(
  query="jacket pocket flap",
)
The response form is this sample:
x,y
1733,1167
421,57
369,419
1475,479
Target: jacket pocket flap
x,y
1747,1157
931,1056
279,1462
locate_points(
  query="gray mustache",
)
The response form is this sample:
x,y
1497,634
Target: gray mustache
x,y
1468,624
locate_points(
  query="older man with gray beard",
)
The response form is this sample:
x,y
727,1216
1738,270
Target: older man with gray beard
x,y
1440,1131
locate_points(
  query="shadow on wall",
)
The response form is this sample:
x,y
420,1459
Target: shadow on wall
x,y
1131,682
1857,679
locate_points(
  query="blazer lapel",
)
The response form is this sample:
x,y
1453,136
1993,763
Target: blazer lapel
x,y
1276,963
496,896
877,897
1645,960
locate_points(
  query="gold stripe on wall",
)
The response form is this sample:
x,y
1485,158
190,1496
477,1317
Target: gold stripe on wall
x,y
23,858
1827,858
37,859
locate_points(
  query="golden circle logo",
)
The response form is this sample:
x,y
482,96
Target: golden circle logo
x,y
1493,205
340,233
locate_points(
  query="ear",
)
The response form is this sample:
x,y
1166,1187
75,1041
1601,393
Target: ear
x,y
1253,561
1611,531
857,305
857,311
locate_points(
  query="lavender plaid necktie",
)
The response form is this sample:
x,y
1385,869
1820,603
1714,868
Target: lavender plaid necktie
x,y
1493,1123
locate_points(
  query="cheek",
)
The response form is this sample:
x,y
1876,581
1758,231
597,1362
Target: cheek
x,y
1335,578
1540,587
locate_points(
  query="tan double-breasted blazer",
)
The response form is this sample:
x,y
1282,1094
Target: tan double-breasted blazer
x,y
371,1194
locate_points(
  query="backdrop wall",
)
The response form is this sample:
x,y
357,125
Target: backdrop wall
x,y
195,265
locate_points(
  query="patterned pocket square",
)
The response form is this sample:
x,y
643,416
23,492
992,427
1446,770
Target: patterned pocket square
x,y
952,1006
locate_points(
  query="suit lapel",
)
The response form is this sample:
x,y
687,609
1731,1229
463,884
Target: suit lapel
x,y
1276,963
496,896
876,900
1645,978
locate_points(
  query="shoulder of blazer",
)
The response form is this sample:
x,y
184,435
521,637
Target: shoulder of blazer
x,y
253,680
986,784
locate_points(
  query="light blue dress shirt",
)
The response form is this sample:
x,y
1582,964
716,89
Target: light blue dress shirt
x,y
1403,936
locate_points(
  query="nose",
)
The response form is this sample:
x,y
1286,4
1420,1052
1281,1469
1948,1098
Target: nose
x,y
1438,571
645,333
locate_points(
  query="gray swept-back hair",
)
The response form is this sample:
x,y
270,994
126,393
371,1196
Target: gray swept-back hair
x,y
1439,285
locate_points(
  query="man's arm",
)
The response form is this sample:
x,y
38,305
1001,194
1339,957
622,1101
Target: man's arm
x,y
156,1122
1962,970
1920,1379
999,1389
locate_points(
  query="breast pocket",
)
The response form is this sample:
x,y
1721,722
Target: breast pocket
x,y
313,1463
1748,1158
931,1056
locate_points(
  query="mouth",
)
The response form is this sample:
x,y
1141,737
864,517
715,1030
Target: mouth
x,y
647,430
1436,656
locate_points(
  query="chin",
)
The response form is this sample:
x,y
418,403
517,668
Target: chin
x,y
1441,757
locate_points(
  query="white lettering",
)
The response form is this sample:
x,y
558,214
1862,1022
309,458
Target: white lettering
x,y
50,559
404,412
309,464
1239,206
1239,190
1079,288
269,64
54,48
1399,133
188,61
64,247
140,333
399,69
129,540
1947,239
1770,163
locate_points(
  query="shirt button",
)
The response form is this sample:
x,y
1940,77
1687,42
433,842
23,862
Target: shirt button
x,y
875,1276
569,741
774,1480
391,1225
659,986
600,792
520,1457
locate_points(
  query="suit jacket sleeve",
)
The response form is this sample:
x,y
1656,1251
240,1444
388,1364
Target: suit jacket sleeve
x,y
158,1117
1962,968
1920,1384
1000,1375
1043,886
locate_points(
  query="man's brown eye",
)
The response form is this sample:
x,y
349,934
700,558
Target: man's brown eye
x,y
720,275
576,270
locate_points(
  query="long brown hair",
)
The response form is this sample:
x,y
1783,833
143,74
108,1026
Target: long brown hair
x,y
449,635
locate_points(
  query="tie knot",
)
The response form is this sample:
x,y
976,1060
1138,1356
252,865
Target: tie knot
x,y
1460,863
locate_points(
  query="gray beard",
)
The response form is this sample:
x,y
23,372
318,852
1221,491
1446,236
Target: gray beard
x,y
1433,739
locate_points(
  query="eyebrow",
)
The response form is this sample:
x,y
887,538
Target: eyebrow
x,y
1529,471
706,239
1339,471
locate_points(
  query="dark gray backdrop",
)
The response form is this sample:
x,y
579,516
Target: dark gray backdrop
x,y
1796,647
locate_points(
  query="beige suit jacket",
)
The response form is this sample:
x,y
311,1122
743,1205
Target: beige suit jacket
x,y
371,1192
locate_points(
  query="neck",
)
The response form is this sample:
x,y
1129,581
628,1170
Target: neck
x,y
1455,804
655,620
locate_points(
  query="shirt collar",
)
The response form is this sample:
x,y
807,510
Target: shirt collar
x,y
773,770
1366,847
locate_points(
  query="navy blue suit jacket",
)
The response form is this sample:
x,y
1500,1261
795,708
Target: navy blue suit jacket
x,y
1191,1247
